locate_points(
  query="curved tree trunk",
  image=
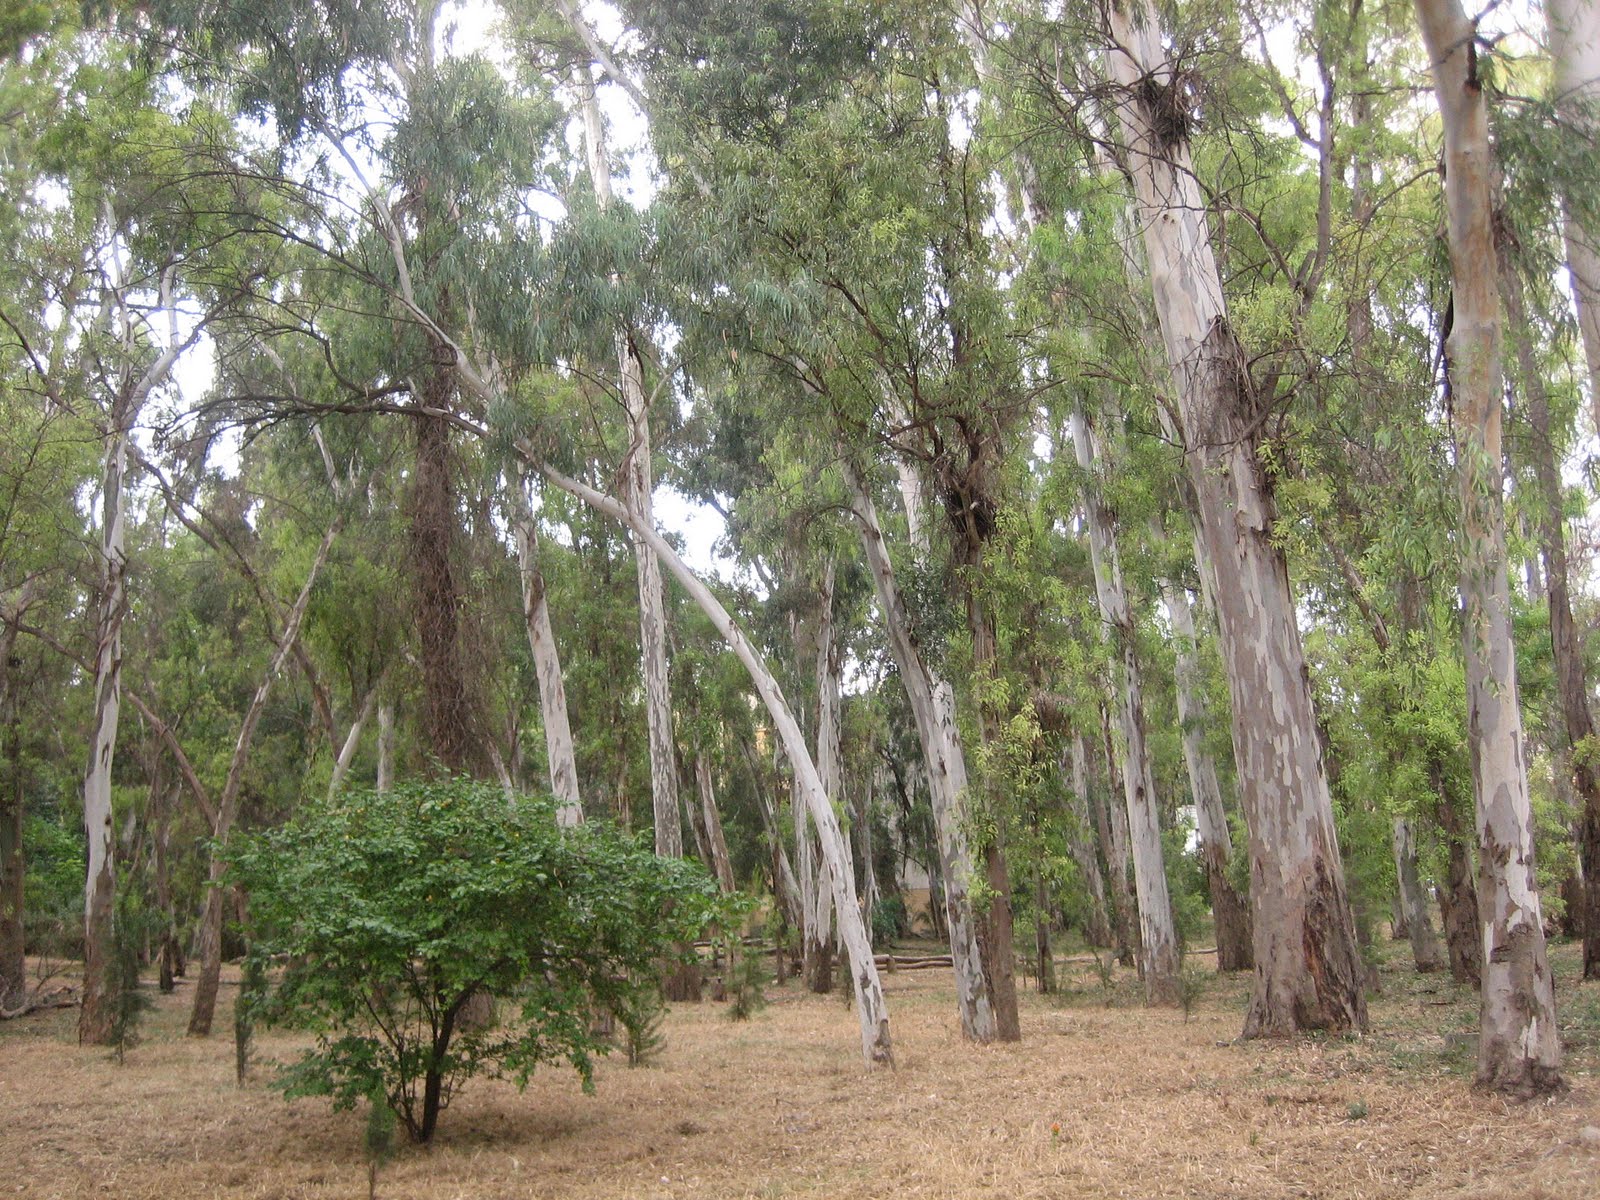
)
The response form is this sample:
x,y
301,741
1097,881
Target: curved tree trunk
x,y
1308,970
871,1008
1519,1049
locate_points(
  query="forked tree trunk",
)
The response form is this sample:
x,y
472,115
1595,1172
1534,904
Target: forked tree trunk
x,y
209,936
352,742
559,749
1229,910
933,712
1574,38
1308,970
1413,900
1158,937
871,1009
1519,1047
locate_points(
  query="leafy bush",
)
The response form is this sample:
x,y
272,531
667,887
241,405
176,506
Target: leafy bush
x,y
394,911
888,919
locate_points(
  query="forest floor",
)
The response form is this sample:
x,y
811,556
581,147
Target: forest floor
x,y
1102,1098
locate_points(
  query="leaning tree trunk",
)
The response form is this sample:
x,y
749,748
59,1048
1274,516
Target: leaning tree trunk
x,y
1519,1048
933,712
1230,911
1157,935
96,1015
1308,969
1574,36
829,755
1566,642
559,749
871,1009
716,842
209,939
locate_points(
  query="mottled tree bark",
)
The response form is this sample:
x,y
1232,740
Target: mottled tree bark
x,y
1413,900
1308,970
1574,40
1111,822
1519,1048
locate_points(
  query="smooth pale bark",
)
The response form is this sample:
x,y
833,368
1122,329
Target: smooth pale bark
x,y
1230,911
1308,970
1097,931
351,743
829,759
933,712
385,779
1519,1047
716,843
637,491
1574,41
1157,935
95,1015
871,1009
208,938
784,883
1425,952
1566,640
559,749
1111,823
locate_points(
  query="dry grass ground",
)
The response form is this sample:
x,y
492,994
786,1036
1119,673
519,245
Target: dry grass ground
x,y
1101,1099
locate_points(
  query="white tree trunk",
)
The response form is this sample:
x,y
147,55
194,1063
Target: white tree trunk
x,y
1425,950
871,1008
1308,970
1098,932
1158,937
932,704
829,753
1519,1047
717,843
1574,37
385,779
95,1016
559,749
637,491
352,743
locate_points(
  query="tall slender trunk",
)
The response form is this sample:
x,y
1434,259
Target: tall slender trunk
x,y
1308,970
1097,929
784,885
1566,641
1574,39
1111,820
871,1009
933,712
96,1015
558,744
721,864
637,491
209,938
352,742
1158,937
385,779
1230,911
1413,900
169,954
829,759
1519,1049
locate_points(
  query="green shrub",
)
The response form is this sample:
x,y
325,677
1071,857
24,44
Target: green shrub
x,y
888,919
395,910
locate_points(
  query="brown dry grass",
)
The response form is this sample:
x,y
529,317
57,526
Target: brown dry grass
x,y
1147,1105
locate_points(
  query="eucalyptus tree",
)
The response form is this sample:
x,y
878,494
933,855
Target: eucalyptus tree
x,y
1519,1047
